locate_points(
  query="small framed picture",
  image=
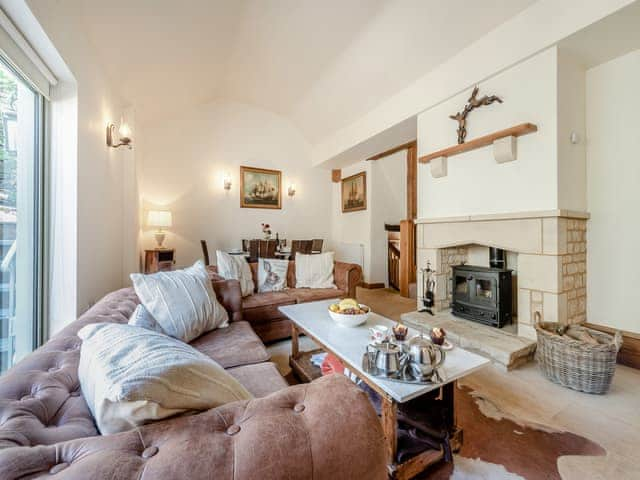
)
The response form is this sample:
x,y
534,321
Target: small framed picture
x,y
354,193
260,188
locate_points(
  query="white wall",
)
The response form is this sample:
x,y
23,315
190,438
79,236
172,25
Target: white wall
x,y
475,183
572,167
613,171
100,174
353,227
386,203
540,26
183,163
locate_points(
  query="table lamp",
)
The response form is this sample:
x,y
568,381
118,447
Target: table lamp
x,y
160,219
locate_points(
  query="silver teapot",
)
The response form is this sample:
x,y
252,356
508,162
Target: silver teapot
x,y
386,357
424,358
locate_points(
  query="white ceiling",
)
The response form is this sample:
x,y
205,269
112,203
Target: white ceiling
x,y
320,63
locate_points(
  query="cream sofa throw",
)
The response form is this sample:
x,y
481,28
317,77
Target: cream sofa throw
x,y
314,271
130,376
235,267
182,301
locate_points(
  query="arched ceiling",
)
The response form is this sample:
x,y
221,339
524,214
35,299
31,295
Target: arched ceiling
x,y
321,64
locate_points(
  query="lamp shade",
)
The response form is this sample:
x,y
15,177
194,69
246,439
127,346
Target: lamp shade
x,y
159,218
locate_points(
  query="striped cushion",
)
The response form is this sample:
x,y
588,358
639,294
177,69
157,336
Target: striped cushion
x,y
130,376
182,301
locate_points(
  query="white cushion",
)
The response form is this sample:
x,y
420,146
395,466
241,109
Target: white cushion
x,y
143,319
272,274
235,267
130,376
314,271
181,301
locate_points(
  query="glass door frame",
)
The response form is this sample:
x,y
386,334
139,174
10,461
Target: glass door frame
x,y
41,108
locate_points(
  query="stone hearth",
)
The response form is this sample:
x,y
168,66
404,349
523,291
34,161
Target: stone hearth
x,y
502,346
551,260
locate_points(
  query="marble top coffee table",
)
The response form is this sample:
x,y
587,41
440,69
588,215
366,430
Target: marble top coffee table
x,y
349,345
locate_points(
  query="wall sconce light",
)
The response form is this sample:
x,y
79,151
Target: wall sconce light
x,y
227,182
124,132
291,191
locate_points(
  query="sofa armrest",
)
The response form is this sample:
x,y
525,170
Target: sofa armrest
x,y
324,430
347,277
228,292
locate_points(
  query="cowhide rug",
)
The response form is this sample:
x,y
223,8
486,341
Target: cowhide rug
x,y
496,447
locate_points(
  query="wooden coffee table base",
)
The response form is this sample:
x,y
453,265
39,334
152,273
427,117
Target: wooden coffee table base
x,y
301,364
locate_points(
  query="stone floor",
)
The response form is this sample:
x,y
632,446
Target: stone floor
x,y
499,345
386,302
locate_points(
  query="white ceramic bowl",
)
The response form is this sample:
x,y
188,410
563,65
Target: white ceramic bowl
x,y
347,320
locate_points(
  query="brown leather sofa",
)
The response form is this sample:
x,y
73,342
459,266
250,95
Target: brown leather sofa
x,y
323,430
261,309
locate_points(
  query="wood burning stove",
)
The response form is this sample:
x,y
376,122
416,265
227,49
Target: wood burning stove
x,y
482,294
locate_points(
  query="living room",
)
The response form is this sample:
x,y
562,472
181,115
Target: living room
x,y
290,239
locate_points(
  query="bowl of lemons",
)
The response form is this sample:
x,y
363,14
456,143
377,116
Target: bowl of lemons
x,y
349,312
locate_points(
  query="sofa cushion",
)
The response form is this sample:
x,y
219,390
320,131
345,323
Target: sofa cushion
x,y
181,301
261,379
131,376
315,271
303,295
263,307
232,346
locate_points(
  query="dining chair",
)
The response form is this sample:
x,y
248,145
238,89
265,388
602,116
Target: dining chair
x,y
267,249
254,249
316,245
205,252
300,246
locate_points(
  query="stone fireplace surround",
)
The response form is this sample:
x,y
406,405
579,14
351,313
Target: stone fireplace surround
x,y
551,269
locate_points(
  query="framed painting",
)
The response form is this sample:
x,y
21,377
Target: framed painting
x,y
354,193
260,188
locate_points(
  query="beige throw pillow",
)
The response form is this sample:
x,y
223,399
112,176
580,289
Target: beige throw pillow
x,y
235,267
272,274
314,271
182,301
131,376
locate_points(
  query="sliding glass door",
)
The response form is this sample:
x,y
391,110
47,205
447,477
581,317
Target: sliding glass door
x,y
20,216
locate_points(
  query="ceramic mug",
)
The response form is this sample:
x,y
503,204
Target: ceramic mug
x,y
379,333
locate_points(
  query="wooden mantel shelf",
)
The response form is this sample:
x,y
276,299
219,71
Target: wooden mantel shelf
x,y
517,131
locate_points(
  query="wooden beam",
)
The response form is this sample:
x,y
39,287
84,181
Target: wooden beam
x,y
412,181
407,256
393,150
336,175
517,131
629,354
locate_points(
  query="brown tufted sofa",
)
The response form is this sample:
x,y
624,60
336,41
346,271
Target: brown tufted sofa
x,y
323,430
261,309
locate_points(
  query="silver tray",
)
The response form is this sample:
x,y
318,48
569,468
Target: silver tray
x,y
403,376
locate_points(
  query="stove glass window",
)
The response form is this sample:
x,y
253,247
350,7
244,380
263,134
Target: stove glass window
x,y
484,289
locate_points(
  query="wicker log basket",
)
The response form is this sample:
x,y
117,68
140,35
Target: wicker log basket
x,y
576,364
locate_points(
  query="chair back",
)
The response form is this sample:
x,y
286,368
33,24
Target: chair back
x,y
316,245
254,249
245,245
205,251
300,246
267,249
